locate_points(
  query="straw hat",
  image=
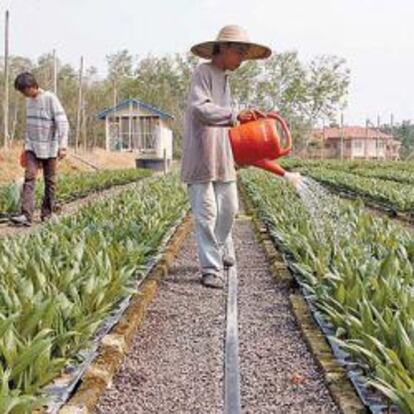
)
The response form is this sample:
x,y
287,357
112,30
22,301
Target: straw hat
x,y
232,34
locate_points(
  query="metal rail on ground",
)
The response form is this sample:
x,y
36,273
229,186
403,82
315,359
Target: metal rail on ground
x,y
232,403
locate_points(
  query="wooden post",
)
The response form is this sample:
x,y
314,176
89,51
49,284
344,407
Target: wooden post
x,y
14,124
130,126
6,81
79,111
83,126
107,133
54,72
165,161
114,121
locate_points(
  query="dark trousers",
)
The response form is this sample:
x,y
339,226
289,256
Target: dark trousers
x,y
49,175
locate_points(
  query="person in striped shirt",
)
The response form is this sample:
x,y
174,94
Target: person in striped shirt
x,y
46,140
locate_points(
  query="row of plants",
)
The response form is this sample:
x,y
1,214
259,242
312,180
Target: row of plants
x,y
57,285
360,276
391,194
71,187
390,174
387,170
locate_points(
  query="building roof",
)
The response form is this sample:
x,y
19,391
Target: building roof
x,y
136,103
350,132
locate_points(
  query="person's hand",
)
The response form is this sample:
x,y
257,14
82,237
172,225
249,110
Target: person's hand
x,y
238,167
248,115
61,153
293,178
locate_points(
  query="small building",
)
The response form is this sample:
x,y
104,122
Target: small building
x,y
138,127
352,143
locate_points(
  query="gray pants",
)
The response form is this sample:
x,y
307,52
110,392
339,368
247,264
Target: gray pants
x,y
214,206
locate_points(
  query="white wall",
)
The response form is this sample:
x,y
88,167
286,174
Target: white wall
x,y
358,148
164,141
362,148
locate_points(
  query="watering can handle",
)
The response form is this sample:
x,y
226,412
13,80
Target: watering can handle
x,y
286,131
255,115
258,114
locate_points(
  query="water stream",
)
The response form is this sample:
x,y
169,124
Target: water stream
x,y
324,210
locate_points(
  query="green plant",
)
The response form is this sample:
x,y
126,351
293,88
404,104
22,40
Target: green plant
x,y
71,187
361,279
387,183
58,284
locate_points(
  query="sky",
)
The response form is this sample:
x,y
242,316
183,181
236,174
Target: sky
x,y
376,37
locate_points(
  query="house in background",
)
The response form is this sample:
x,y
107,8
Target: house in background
x,y
354,142
135,126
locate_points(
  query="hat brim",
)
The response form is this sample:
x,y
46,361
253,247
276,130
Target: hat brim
x,y
254,51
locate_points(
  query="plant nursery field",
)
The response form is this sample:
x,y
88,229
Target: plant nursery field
x,y
67,284
387,184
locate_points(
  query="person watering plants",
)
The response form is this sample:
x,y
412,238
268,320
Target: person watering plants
x,y
46,141
208,165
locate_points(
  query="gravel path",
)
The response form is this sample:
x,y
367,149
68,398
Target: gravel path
x,y
176,362
278,373
7,229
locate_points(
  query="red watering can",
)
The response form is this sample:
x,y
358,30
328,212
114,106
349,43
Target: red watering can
x,y
258,143
23,159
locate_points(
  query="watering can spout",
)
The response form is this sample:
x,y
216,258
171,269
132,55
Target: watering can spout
x,y
271,166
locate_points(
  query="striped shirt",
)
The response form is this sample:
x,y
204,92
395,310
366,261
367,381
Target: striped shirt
x,y
47,126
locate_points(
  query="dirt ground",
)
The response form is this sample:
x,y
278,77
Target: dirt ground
x,y
10,169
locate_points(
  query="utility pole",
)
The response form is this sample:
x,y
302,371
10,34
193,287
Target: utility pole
x,y
6,81
115,125
130,144
79,112
54,72
83,126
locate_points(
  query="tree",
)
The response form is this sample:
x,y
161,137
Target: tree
x,y
302,93
326,86
164,82
404,133
17,64
120,73
244,85
43,70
